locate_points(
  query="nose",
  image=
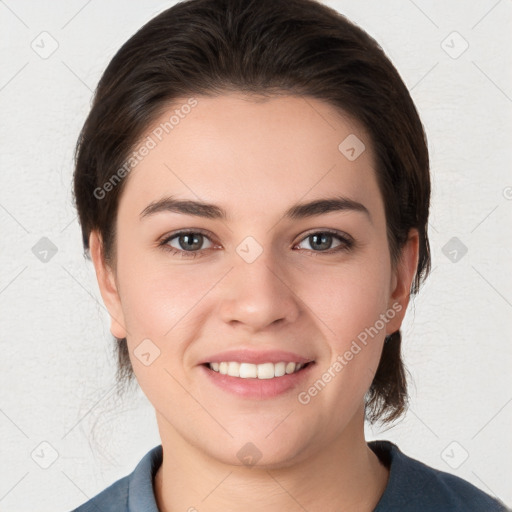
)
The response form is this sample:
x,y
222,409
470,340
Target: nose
x,y
258,294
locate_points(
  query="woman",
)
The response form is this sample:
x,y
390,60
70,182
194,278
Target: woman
x,y
253,188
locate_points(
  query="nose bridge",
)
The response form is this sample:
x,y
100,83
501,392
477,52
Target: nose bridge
x,y
257,292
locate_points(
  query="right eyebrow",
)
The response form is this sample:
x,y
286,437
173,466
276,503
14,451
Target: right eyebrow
x,y
184,206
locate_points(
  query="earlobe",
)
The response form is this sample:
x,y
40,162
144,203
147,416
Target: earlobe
x,y
402,279
107,285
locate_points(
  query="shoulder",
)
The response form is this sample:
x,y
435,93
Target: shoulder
x,y
113,498
130,493
414,486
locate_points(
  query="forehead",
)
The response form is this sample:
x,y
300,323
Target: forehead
x,y
255,153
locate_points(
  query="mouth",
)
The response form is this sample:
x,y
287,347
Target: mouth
x,y
263,371
260,381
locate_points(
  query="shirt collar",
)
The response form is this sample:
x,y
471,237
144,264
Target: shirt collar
x,y
141,495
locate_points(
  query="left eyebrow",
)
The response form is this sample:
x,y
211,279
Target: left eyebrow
x,y
321,206
212,211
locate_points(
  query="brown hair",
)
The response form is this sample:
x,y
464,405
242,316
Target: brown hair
x,y
266,47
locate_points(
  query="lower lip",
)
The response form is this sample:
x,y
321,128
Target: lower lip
x,y
257,388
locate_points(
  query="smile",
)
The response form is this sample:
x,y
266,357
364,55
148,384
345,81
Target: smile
x,y
257,381
255,371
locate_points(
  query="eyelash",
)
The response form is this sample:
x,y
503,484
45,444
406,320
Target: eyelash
x,y
347,243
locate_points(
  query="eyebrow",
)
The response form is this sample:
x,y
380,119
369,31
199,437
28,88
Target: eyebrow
x,y
212,211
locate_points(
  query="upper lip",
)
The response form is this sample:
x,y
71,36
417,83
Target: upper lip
x,y
253,356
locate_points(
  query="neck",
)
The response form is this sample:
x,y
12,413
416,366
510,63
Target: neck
x,y
346,475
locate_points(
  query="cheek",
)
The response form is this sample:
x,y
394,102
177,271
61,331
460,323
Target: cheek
x,y
349,302
160,310
157,298
350,297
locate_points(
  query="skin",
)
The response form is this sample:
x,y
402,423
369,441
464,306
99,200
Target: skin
x,y
256,158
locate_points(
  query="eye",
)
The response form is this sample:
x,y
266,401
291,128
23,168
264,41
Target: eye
x,y
189,244
321,242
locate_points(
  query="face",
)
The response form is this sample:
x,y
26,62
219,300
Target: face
x,y
255,279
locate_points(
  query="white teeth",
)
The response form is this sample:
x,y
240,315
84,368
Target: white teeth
x,y
279,369
266,371
234,369
247,371
290,367
223,368
255,371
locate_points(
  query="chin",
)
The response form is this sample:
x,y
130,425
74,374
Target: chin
x,y
260,450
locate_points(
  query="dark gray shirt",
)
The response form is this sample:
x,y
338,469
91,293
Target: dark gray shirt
x,y
412,487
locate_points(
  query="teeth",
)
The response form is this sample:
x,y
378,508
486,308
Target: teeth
x,y
247,371
255,371
279,369
234,369
265,371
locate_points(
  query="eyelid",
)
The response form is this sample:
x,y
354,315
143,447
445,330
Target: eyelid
x,y
173,234
330,231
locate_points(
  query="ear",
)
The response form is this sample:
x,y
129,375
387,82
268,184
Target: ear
x,y
401,280
108,286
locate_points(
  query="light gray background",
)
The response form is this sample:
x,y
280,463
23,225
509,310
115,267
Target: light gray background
x,y
57,367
